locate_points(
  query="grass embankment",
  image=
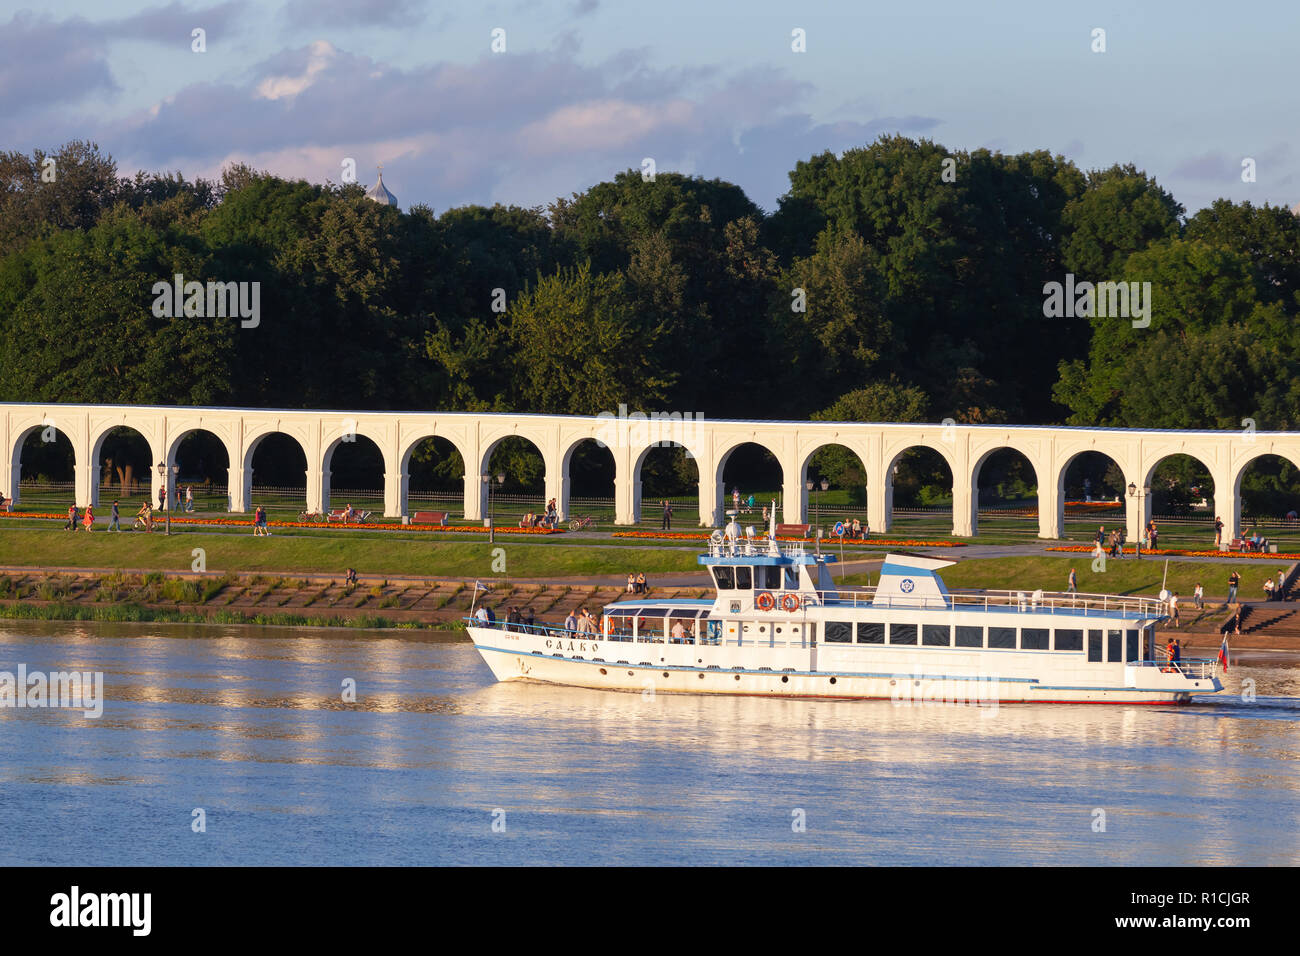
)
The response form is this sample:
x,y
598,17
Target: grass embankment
x,y
54,548
155,598
1127,576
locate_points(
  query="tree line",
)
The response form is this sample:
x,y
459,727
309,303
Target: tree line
x,y
901,281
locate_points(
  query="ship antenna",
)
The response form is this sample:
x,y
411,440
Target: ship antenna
x,y
772,546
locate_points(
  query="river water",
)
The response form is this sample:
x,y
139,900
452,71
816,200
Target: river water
x,y
436,764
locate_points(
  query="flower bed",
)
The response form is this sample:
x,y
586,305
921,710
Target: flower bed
x,y
1182,552
704,536
247,522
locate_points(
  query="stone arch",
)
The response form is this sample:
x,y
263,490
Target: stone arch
x,y
1072,461
680,502
598,460
528,487
192,448
977,471
881,506
354,445
1162,501
841,473
791,510
400,504
311,495
57,438
1243,503
140,462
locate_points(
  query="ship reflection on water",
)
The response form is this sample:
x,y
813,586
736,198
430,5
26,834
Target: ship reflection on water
x,y
254,726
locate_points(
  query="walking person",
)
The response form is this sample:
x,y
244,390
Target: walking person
x,y
1072,586
189,497
113,519
89,519
667,523
1198,597
71,524
1234,579
1173,608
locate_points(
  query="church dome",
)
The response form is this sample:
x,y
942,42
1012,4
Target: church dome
x,y
379,192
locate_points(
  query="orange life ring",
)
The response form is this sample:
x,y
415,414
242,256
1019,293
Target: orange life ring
x,y
765,601
790,602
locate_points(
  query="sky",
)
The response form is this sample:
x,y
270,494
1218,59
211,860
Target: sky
x,y
583,89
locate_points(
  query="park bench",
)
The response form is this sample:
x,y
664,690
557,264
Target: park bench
x,y
792,530
339,514
1243,545
429,517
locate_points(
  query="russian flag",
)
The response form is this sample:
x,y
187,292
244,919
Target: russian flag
x,y
1223,653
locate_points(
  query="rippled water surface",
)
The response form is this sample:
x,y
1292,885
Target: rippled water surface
x,y
249,725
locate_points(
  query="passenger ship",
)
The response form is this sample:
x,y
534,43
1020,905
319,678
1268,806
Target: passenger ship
x,y
780,627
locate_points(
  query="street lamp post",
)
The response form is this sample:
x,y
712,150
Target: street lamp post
x,y
1138,495
487,480
817,504
167,498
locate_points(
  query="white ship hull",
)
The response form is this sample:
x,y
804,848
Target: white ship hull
x,y
906,675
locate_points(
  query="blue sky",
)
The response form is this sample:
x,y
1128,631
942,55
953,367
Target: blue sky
x,y
585,88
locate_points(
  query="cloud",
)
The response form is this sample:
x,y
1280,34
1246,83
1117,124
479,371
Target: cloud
x,y
523,127
1211,166
384,13
46,62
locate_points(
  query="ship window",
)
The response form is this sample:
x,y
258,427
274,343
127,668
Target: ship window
x,y
970,636
839,632
1033,638
902,634
769,575
1094,645
791,579
1002,637
1114,645
936,635
871,632
1069,640
1131,650
744,580
726,577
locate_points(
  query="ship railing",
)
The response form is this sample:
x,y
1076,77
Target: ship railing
x,y
540,629
617,634
721,546
1050,602
1193,668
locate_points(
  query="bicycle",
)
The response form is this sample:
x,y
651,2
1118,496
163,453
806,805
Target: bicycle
x,y
577,524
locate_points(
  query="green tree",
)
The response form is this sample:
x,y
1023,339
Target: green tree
x,y
578,349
